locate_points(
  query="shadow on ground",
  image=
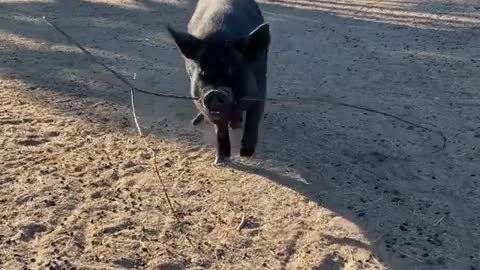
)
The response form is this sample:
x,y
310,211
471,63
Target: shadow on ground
x,y
413,202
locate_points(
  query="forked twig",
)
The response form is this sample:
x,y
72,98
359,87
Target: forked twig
x,y
242,223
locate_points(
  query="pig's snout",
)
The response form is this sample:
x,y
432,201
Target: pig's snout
x,y
217,101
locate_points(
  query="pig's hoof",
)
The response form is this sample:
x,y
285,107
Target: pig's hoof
x,y
222,160
247,152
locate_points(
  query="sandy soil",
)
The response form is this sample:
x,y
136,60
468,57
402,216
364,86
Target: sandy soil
x,y
332,187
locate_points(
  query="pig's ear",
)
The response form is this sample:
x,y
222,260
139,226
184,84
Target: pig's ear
x,y
256,42
188,44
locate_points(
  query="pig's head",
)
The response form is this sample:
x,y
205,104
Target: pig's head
x,y
220,70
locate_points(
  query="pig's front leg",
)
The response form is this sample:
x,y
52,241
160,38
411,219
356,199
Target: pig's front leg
x,y
255,111
250,132
223,143
236,119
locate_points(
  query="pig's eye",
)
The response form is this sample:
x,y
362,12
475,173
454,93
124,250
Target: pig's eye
x,y
207,76
203,75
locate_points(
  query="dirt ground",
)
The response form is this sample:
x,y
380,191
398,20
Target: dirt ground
x,y
331,187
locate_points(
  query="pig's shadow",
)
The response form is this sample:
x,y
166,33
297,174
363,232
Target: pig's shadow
x,y
271,174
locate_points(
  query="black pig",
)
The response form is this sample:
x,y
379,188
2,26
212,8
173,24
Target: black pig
x,y
225,52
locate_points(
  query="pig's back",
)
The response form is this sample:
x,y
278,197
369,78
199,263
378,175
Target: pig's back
x,y
224,18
